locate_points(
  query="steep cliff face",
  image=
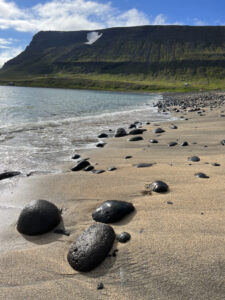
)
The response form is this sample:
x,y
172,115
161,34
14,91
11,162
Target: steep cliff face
x,y
153,50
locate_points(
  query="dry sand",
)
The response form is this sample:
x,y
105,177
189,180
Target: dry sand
x,y
176,251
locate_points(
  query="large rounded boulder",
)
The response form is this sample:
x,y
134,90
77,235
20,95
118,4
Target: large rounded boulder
x,y
37,217
91,247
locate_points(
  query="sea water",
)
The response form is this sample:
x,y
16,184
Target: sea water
x,y
41,128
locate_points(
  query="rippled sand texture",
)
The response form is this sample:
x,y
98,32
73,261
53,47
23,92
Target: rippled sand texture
x,y
177,246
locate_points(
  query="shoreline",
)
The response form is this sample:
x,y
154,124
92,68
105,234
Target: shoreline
x,y
176,250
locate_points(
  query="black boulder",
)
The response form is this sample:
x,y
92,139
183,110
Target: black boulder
x,y
81,165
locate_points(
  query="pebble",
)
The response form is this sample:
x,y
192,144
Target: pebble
x,y
88,168
100,145
80,165
120,132
172,144
76,156
184,144
102,135
158,130
136,138
153,141
201,175
223,142
159,186
112,168
100,286
123,237
128,156
98,171
137,131
194,158
215,164
172,126
144,165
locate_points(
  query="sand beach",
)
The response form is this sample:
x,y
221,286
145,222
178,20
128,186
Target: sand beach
x,y
177,246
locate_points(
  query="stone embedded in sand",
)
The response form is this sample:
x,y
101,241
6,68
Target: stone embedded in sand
x,y
89,168
144,165
37,217
91,247
10,174
136,138
223,142
153,141
120,132
102,135
137,131
81,165
194,158
172,126
112,211
215,164
184,144
100,145
123,237
76,156
172,144
98,171
128,156
112,169
201,175
158,130
159,186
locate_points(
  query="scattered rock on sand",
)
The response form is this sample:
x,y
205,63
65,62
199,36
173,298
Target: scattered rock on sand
x,y
112,211
120,132
128,156
98,171
123,237
172,126
37,217
172,144
100,286
10,174
91,247
194,158
76,156
137,131
144,165
159,186
102,135
89,168
201,175
136,138
215,164
158,130
153,141
112,168
100,145
223,142
184,144
81,165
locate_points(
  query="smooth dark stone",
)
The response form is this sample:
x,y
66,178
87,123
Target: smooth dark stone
x,y
112,211
91,247
143,165
100,286
194,158
37,217
81,165
120,132
88,168
172,144
123,237
172,126
132,126
76,156
102,135
62,231
169,202
223,142
112,168
153,141
148,123
128,156
158,130
184,144
100,145
215,164
137,131
98,171
159,186
136,138
201,175
10,174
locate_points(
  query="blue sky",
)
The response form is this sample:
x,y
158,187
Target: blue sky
x,y
21,19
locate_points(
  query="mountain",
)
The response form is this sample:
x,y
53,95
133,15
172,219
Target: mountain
x,y
137,52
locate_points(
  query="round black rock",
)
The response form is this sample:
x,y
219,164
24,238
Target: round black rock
x,y
112,169
100,145
123,237
120,132
112,211
159,186
201,175
143,165
37,217
81,165
136,138
153,141
137,131
102,135
100,286
184,144
76,156
128,157
194,158
158,130
91,247
132,126
172,144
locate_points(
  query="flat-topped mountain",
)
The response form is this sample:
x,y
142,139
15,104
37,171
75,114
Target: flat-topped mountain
x,y
146,50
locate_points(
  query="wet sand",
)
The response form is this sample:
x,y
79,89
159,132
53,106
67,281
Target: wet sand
x,y
177,246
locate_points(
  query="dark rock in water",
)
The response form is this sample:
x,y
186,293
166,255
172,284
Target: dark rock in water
x,y
98,171
194,158
88,168
112,168
81,165
144,165
172,144
137,131
136,138
91,247
120,132
159,187
100,145
201,175
100,286
10,174
158,130
102,135
172,126
132,126
112,211
128,156
76,156
184,144
153,141
37,217
215,164
148,123
223,142
123,237
62,231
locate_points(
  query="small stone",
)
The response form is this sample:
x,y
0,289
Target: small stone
x,y
136,138
120,132
223,142
123,237
80,165
169,202
201,175
128,157
172,144
215,164
194,158
153,141
132,126
88,168
144,165
102,135
76,156
158,130
100,145
112,168
184,144
100,286
10,174
98,171
172,126
137,131
159,186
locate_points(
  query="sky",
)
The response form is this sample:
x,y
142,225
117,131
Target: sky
x,y
21,19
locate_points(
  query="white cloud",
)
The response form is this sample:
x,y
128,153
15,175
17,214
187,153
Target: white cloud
x,y
198,22
93,37
9,54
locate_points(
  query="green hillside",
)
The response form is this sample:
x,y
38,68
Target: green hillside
x,y
142,58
